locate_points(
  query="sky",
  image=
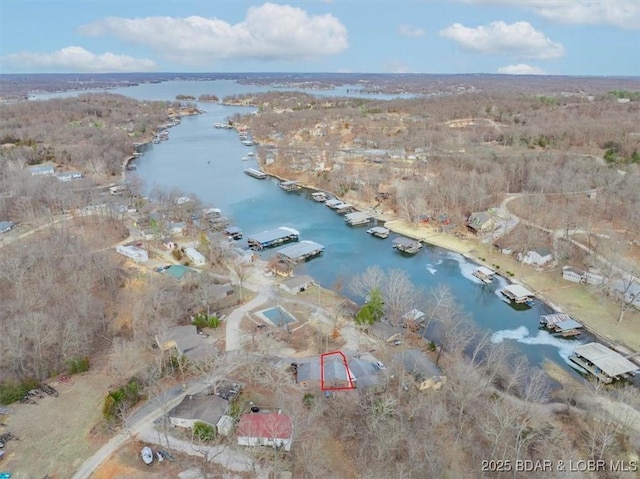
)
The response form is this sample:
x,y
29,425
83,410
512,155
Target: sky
x,y
553,37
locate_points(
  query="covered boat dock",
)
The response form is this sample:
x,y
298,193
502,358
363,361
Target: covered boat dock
x,y
271,238
379,232
484,274
302,251
289,185
407,245
261,175
603,363
562,324
517,294
357,218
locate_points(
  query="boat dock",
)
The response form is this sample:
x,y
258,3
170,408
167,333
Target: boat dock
x,y
407,245
302,251
344,208
357,218
603,363
484,274
319,196
233,232
261,175
289,185
561,324
379,232
271,238
333,204
518,294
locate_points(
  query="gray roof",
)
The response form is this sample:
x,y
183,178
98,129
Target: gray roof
x,y
543,251
568,325
518,291
298,281
6,225
296,251
207,409
272,235
365,371
478,218
309,370
378,229
610,362
403,241
418,364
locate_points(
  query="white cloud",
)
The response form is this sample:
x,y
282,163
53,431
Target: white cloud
x,y
521,69
518,39
410,31
269,32
617,13
77,60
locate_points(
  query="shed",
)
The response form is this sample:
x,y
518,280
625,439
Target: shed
x,y
537,257
297,284
573,274
272,429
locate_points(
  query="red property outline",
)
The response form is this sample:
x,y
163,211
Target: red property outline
x,y
351,385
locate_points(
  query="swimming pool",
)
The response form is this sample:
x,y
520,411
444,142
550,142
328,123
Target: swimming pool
x,y
278,316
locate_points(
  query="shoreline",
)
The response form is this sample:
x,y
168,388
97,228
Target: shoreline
x,y
470,249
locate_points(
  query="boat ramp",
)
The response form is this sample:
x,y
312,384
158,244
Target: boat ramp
x,y
271,238
518,294
289,185
302,251
379,232
259,174
407,245
357,218
484,274
603,363
561,324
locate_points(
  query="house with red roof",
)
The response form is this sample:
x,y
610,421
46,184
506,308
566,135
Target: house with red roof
x,y
265,429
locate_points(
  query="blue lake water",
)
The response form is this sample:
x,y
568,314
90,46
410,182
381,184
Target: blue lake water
x,y
205,161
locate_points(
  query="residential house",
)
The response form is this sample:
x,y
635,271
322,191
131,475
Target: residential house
x,y
335,375
297,284
6,226
539,256
424,371
369,373
169,244
272,429
385,331
480,222
135,253
198,408
177,228
179,271
572,274
185,341
221,291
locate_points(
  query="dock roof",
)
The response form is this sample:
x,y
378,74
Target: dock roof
x,y
518,291
301,249
567,325
486,271
357,216
404,241
378,229
610,362
272,235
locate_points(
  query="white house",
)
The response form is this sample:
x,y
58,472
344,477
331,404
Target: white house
x,y
265,429
195,257
537,257
297,284
572,274
138,255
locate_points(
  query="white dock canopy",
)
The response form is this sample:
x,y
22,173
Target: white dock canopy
x,y
518,291
485,271
610,362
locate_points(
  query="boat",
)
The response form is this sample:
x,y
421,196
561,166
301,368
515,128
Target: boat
x,y
289,185
251,153
319,196
484,274
245,158
379,232
147,455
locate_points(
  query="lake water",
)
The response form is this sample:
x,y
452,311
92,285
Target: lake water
x,y
205,161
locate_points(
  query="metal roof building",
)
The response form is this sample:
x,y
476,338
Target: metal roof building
x,y
274,237
603,362
301,251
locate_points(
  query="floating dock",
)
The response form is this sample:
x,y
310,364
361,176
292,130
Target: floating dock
x,y
603,363
289,185
379,232
319,196
484,274
333,204
407,245
518,294
302,251
561,324
271,238
344,208
261,175
233,232
357,218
